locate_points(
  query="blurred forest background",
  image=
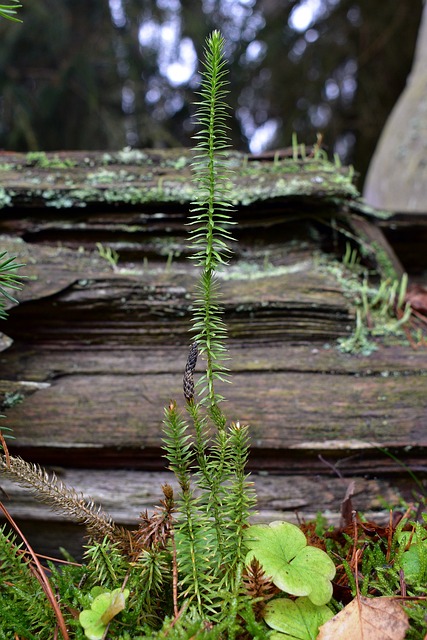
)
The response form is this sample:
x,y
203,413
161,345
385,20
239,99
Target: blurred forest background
x,y
104,74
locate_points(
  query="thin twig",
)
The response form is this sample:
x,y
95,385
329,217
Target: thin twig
x,y
174,574
5,450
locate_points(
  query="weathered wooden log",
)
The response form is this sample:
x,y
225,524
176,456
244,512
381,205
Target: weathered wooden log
x,y
97,346
286,400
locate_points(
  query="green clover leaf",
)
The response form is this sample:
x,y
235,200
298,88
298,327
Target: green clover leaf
x,y
104,607
298,619
282,551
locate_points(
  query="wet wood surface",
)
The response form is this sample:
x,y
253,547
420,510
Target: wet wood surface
x,y
95,350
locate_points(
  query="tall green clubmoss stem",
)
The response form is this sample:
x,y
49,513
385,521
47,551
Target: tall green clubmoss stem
x,y
210,520
211,219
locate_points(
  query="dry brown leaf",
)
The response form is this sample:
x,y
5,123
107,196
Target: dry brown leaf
x,y
417,297
367,619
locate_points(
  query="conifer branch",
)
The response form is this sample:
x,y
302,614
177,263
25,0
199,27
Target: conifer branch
x,y
10,279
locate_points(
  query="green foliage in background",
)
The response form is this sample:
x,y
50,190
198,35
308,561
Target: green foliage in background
x,y
391,562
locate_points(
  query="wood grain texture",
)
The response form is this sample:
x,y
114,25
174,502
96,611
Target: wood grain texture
x,y
124,494
94,351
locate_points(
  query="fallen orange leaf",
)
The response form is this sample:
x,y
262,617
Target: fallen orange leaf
x,y
367,619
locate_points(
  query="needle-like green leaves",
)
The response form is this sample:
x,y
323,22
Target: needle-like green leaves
x,y
9,279
8,11
210,219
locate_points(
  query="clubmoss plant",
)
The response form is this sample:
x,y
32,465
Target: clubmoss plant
x,y
210,522
9,279
194,569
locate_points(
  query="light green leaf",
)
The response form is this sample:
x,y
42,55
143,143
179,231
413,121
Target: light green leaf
x,y
298,619
104,608
411,563
301,570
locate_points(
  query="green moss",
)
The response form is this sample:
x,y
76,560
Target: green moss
x,y
130,195
62,203
383,261
11,399
41,160
105,176
135,177
250,270
180,163
375,306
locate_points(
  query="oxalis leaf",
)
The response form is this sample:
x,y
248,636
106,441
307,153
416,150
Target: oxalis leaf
x,y
103,609
293,566
413,560
298,619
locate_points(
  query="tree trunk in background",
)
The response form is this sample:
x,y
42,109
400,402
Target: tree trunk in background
x,y
397,177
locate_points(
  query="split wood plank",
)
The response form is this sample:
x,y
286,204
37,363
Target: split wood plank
x,y
124,494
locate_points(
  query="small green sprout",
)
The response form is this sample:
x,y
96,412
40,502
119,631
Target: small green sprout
x,y
109,254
